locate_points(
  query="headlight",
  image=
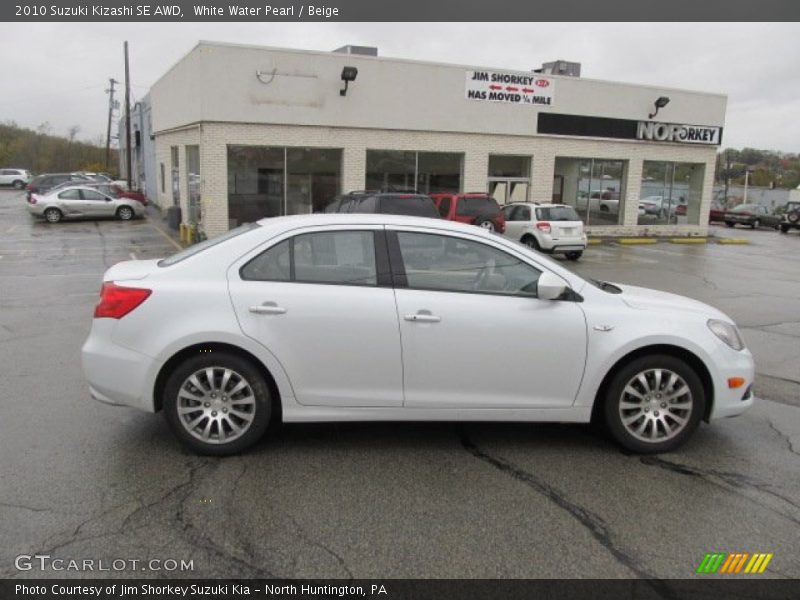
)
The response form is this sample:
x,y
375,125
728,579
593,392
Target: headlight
x,y
727,332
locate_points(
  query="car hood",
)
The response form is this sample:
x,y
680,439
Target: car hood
x,y
131,269
648,299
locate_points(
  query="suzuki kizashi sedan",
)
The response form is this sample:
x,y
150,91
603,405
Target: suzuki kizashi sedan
x,y
357,317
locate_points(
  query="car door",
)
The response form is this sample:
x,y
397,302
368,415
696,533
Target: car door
x,y
70,202
474,334
96,204
321,301
5,176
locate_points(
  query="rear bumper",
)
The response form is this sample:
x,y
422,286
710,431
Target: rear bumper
x,y
559,244
117,375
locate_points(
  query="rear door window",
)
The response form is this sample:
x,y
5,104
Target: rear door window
x,y
557,213
407,204
343,257
476,207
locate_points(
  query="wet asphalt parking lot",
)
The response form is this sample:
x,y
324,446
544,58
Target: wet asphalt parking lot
x,y
81,480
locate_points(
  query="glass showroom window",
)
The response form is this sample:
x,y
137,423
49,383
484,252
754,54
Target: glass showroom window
x,y
594,187
268,182
509,178
427,172
193,182
671,193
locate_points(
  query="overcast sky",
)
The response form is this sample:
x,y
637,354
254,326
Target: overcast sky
x,y
57,72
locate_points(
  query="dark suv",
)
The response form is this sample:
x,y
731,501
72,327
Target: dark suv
x,y
389,203
475,208
791,217
41,184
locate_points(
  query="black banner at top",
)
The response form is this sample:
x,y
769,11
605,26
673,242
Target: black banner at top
x,y
398,10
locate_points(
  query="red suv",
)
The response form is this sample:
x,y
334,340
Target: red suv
x,y
474,208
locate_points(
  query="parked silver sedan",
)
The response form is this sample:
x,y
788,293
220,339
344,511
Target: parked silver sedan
x,y
82,202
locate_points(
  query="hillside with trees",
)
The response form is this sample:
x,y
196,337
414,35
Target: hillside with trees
x,y
40,151
767,167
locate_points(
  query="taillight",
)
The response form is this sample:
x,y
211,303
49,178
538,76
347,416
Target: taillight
x,y
543,226
116,301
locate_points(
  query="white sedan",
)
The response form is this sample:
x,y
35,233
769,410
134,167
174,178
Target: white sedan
x,y
351,317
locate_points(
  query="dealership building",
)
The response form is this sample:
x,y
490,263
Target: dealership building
x,y
243,132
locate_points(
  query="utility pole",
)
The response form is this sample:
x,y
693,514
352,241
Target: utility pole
x,y
746,181
110,91
128,117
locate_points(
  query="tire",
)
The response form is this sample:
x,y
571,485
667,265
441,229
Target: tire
x,y
125,213
485,223
728,224
793,217
203,418
574,255
531,242
52,215
654,423
784,228
18,184
756,224
604,208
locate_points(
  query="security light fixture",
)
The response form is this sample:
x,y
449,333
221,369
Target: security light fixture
x,y
348,74
661,102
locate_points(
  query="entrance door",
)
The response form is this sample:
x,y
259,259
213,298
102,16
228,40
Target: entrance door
x,y
509,189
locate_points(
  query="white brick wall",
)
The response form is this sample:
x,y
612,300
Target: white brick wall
x,y
543,150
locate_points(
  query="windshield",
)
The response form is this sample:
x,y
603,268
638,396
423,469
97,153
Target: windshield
x,y
198,248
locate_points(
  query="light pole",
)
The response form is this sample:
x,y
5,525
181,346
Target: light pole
x,y
746,182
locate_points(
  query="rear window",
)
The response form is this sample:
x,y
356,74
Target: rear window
x,y
557,213
202,246
475,207
745,208
413,206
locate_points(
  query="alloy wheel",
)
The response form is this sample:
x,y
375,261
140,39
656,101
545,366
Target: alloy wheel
x,y
488,225
125,213
216,405
655,405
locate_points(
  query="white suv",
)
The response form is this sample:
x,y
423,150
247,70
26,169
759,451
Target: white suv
x,y
550,228
19,178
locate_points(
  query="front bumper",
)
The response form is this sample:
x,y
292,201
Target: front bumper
x,y
730,402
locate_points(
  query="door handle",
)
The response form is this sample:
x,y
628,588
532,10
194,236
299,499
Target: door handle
x,y
268,308
421,317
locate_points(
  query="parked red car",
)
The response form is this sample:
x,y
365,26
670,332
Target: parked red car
x,y
717,212
474,208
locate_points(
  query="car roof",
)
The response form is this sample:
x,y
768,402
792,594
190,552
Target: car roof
x,y
322,219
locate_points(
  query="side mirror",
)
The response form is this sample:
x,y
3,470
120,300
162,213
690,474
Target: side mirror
x,y
549,286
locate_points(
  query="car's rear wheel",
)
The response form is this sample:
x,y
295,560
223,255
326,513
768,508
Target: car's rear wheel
x,y
574,255
18,184
485,223
654,404
125,213
728,224
756,224
217,403
784,229
52,215
531,242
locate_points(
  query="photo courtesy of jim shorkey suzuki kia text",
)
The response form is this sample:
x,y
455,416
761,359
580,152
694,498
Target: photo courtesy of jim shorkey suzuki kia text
x,y
194,590
267,11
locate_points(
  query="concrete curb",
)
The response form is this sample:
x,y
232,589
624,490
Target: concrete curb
x,y
643,241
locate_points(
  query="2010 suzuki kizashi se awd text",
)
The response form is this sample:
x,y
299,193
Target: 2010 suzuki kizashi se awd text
x,y
348,317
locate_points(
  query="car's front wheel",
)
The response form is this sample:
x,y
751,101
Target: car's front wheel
x,y
217,403
19,184
654,404
756,224
728,224
784,228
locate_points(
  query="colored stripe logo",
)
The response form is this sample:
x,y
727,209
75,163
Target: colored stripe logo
x,y
734,563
